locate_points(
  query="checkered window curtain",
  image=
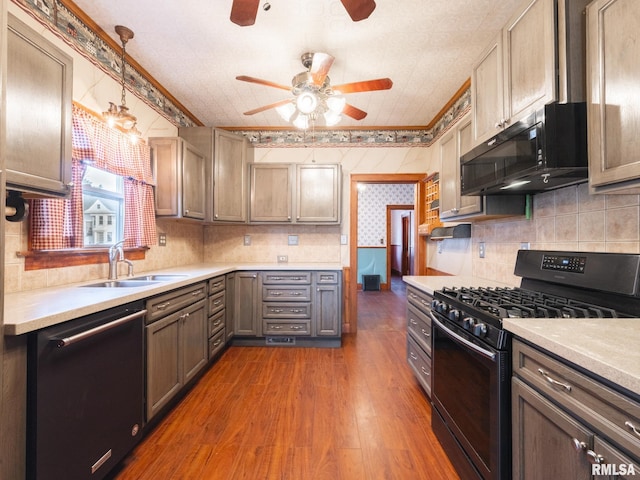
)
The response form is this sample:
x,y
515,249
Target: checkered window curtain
x,y
57,224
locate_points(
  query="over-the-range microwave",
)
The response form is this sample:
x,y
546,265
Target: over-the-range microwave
x,y
546,150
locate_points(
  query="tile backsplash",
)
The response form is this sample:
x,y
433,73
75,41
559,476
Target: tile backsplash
x,y
568,219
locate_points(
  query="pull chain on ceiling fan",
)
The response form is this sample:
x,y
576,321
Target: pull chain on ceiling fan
x,y
314,96
243,12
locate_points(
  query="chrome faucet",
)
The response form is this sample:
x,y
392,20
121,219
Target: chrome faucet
x,y
116,254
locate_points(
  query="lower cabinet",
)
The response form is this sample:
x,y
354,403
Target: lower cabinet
x,y
288,307
566,424
177,344
419,336
217,315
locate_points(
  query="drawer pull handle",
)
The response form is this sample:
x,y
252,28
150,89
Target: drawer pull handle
x,y
412,321
295,294
277,310
276,327
297,327
554,382
163,306
632,427
578,445
296,310
217,322
197,292
413,356
217,302
217,342
425,371
425,333
276,294
593,457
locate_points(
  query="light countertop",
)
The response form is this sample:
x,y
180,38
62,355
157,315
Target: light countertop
x,y
32,310
430,283
607,347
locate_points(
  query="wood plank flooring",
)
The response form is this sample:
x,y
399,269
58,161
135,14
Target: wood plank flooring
x,y
303,413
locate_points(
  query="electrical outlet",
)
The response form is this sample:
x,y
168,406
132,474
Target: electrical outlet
x,y
343,240
481,249
247,240
283,258
525,246
162,239
293,240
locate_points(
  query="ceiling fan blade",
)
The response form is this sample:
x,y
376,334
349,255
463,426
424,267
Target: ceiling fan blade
x,y
365,86
320,67
353,112
359,9
259,81
243,12
267,107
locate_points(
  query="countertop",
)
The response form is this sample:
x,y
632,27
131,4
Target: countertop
x,y
607,347
32,310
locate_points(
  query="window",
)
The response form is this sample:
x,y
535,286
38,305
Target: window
x,y
102,196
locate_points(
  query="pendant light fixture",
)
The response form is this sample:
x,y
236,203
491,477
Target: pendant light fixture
x,y
119,115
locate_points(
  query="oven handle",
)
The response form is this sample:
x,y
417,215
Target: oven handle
x,y
66,341
485,353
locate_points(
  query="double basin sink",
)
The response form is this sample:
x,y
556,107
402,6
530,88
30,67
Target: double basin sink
x,y
140,281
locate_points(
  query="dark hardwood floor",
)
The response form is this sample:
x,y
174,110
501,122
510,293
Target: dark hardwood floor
x,y
303,413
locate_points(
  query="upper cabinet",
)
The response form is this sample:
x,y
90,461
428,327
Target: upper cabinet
x,y
39,103
613,115
230,177
538,58
311,191
227,156
318,192
453,205
179,171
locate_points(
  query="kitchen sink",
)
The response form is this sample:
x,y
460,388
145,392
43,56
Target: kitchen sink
x,y
156,278
121,284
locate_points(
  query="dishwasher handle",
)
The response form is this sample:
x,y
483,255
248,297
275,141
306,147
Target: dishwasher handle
x,y
66,341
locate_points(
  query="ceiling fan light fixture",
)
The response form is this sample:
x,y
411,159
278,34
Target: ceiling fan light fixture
x,y
301,121
331,118
286,111
336,103
307,102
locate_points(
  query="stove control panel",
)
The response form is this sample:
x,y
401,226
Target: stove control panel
x,y
564,263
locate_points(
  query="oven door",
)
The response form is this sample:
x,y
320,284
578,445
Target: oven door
x,y
470,393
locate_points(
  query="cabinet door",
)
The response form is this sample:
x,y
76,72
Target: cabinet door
x,y
449,175
487,93
530,77
229,189
246,304
327,310
546,442
165,171
193,182
271,191
164,376
230,304
468,204
194,339
38,112
318,193
613,49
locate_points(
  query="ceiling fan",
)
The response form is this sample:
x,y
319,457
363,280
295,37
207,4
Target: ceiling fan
x,y
313,94
243,12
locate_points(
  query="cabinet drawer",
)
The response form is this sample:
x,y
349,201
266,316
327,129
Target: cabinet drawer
x,y
419,327
286,278
298,293
173,301
216,343
608,412
327,277
286,310
420,363
216,323
217,284
419,299
216,302
286,327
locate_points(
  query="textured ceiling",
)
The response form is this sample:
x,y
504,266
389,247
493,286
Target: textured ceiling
x,y
191,47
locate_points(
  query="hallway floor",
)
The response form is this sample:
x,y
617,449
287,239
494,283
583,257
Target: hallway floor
x,y
349,413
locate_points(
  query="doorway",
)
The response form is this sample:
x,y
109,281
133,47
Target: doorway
x,y
400,241
419,257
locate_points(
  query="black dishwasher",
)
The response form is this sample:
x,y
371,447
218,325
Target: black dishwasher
x,y
85,394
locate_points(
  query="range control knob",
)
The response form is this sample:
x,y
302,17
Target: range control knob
x,y
454,315
468,323
435,304
479,329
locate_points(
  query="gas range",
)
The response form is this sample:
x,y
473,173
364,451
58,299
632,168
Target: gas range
x,y
554,285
